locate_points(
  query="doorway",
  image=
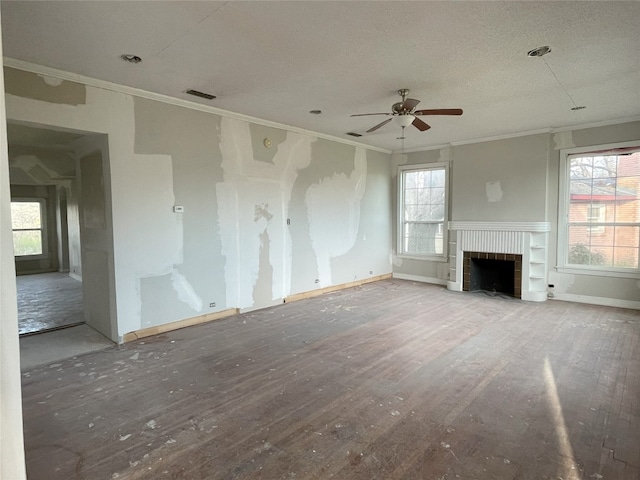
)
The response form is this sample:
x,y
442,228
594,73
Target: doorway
x,y
60,174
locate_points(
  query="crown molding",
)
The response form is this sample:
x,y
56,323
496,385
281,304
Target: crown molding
x,y
549,130
137,92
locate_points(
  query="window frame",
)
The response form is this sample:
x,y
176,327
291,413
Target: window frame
x,y
564,200
435,257
43,229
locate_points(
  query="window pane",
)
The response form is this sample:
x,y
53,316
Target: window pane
x,y
27,242
626,236
625,257
25,215
423,238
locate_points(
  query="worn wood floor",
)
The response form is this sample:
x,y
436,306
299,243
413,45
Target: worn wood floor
x,y
393,380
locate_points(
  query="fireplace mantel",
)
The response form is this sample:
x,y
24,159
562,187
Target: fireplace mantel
x,y
528,239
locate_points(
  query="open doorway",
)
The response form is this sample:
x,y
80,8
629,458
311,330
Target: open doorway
x,y
60,212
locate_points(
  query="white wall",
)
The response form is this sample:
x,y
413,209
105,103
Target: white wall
x,y
12,465
259,223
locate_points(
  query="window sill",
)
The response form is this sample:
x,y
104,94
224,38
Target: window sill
x,y
599,273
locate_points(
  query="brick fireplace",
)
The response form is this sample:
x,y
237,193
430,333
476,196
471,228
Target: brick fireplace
x,y
492,272
511,256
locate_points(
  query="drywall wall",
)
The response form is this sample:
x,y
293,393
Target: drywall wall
x,y
12,464
606,290
502,180
265,212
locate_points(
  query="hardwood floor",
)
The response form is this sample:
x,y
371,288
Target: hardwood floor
x,y
392,380
48,301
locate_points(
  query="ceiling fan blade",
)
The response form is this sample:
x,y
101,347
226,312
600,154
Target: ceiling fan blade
x,y
365,114
420,125
373,129
409,104
439,111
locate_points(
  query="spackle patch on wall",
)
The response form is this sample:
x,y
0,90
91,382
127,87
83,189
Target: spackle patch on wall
x,y
248,209
185,291
334,214
494,191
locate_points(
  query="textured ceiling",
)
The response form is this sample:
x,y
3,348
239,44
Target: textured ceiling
x,y
278,60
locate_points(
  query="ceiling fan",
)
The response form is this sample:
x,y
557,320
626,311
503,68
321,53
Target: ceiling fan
x,y
407,115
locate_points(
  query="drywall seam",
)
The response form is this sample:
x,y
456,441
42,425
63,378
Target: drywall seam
x,y
334,214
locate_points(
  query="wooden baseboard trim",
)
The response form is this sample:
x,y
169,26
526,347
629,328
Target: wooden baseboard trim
x,y
168,327
334,288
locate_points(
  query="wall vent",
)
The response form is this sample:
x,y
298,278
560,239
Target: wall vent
x,y
197,93
354,134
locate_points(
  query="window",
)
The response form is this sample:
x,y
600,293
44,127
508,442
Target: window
x,y
600,206
422,210
28,228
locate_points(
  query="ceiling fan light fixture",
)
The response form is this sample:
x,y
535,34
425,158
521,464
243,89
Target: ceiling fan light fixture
x,y
405,120
539,52
129,57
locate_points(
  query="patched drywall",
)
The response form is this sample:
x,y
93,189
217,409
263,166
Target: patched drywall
x,y
184,143
40,87
328,160
370,252
252,201
244,237
265,142
333,205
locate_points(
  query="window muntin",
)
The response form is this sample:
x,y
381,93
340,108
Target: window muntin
x,y
27,221
602,209
423,210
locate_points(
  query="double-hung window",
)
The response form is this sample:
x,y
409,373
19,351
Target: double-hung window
x,y
27,219
422,211
599,223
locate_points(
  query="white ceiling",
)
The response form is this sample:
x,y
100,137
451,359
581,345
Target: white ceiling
x,y
278,60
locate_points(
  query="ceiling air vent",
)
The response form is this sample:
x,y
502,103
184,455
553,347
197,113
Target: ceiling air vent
x,y
196,93
354,134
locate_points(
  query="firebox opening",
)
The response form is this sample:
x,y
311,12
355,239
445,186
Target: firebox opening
x,y
492,275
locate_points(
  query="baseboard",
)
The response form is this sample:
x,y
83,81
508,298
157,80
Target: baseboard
x,y
419,278
168,327
321,291
75,276
606,302
454,286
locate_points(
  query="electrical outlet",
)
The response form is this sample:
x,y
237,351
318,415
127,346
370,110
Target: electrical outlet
x,y
317,280
288,221
370,272
212,304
